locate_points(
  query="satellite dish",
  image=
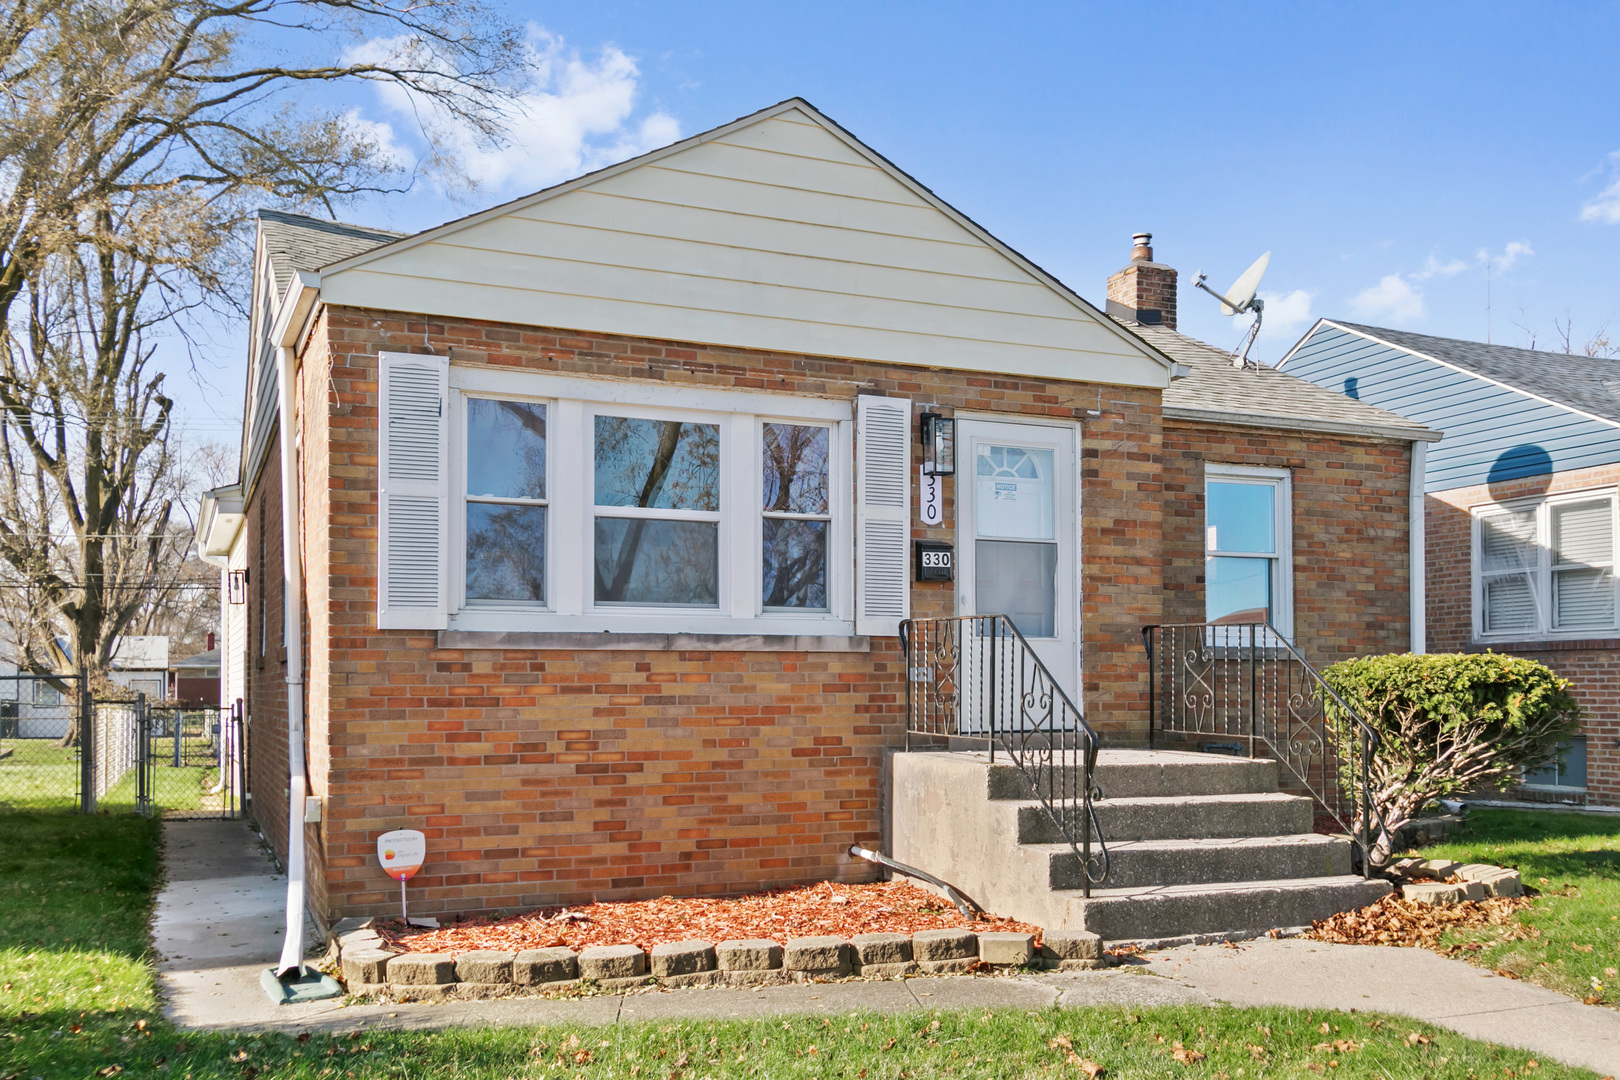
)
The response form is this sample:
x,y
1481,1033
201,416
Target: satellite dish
x,y
1241,298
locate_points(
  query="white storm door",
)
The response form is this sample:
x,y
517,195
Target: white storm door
x,y
1016,543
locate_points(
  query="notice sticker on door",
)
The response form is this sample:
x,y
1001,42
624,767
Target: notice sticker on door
x,y
401,853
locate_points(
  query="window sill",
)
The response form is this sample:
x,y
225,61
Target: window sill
x,y
1553,789
612,641
1588,644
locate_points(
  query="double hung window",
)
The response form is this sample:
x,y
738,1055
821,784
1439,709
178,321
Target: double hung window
x,y
1546,569
697,512
1248,528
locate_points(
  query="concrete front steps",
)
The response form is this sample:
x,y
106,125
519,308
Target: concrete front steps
x,y
1200,845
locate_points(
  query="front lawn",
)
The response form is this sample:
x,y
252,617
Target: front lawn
x,y
78,1003
1570,939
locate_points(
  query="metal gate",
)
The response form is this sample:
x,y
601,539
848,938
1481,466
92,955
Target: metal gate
x,y
121,755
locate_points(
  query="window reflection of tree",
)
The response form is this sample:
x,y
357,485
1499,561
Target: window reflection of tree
x,y
795,481
531,464
506,553
656,464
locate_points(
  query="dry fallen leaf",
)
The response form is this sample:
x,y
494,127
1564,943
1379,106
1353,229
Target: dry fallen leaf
x,y
1416,1038
1063,1041
1092,1069
1184,1055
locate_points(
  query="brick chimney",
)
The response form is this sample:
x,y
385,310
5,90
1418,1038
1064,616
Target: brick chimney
x,y
1144,291
210,639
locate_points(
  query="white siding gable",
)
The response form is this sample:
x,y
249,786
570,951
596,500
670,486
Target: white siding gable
x,y
778,232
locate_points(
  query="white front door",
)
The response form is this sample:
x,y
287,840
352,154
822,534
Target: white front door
x,y
1017,535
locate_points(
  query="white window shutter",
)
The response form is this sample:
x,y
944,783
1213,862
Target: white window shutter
x,y
413,491
882,514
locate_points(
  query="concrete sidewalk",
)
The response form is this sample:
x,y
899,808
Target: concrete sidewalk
x,y
219,918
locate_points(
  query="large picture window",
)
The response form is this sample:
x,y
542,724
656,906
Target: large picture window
x,y
1546,569
648,516
1248,577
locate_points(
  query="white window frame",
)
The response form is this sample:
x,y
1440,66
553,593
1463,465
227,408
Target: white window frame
x,y
1541,574
1282,563
572,403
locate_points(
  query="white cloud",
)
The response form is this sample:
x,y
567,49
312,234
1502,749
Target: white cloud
x,y
573,114
380,134
1435,268
1392,298
1606,207
1511,254
1287,313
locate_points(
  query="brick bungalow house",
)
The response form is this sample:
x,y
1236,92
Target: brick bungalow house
x,y
607,499
1522,504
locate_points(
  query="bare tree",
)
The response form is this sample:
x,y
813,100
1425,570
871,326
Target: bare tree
x,y
136,138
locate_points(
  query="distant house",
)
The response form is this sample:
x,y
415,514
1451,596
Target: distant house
x,y
140,664
1523,497
194,680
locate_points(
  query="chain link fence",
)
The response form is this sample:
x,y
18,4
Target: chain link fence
x,y
62,750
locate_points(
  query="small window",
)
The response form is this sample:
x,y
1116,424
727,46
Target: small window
x,y
506,501
797,511
1546,569
46,695
1567,770
1247,572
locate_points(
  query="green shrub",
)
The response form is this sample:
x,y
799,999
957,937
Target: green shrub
x,y
1446,723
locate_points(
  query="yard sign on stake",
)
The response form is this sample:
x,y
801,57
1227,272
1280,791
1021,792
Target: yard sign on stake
x,y
401,853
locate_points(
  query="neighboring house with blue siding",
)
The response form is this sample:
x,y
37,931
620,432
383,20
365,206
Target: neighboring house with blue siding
x,y
1523,510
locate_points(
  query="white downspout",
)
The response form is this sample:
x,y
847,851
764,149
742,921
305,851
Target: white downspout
x,y
292,947
1418,512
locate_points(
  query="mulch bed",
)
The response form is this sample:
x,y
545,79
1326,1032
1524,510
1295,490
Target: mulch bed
x,y
811,910
1393,921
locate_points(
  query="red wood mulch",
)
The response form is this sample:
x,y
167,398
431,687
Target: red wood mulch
x,y
811,910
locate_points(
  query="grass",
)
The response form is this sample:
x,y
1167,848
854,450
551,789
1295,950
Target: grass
x,y
79,1003
39,775
1573,861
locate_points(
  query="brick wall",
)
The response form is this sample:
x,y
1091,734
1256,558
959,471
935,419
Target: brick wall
x,y
1350,538
557,776
1592,666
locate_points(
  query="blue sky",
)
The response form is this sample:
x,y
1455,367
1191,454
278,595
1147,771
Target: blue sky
x,y
1384,154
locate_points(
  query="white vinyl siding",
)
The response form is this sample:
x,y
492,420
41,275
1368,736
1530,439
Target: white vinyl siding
x,y
1546,569
698,525
781,234
412,492
883,525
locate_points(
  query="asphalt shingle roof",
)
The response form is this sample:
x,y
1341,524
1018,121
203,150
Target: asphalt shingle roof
x,y
299,242
1579,382
1264,396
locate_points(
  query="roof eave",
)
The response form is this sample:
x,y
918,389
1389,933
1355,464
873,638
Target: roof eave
x,y
1294,423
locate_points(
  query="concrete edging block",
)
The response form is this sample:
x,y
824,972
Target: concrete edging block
x,y
486,966
930,946
881,949
422,969
365,966
674,959
533,967
603,962
1006,949
750,954
824,955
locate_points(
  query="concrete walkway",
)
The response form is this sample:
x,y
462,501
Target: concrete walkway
x,y
219,917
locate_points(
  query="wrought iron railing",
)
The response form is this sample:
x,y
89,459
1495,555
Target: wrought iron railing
x,y
976,678
1244,687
